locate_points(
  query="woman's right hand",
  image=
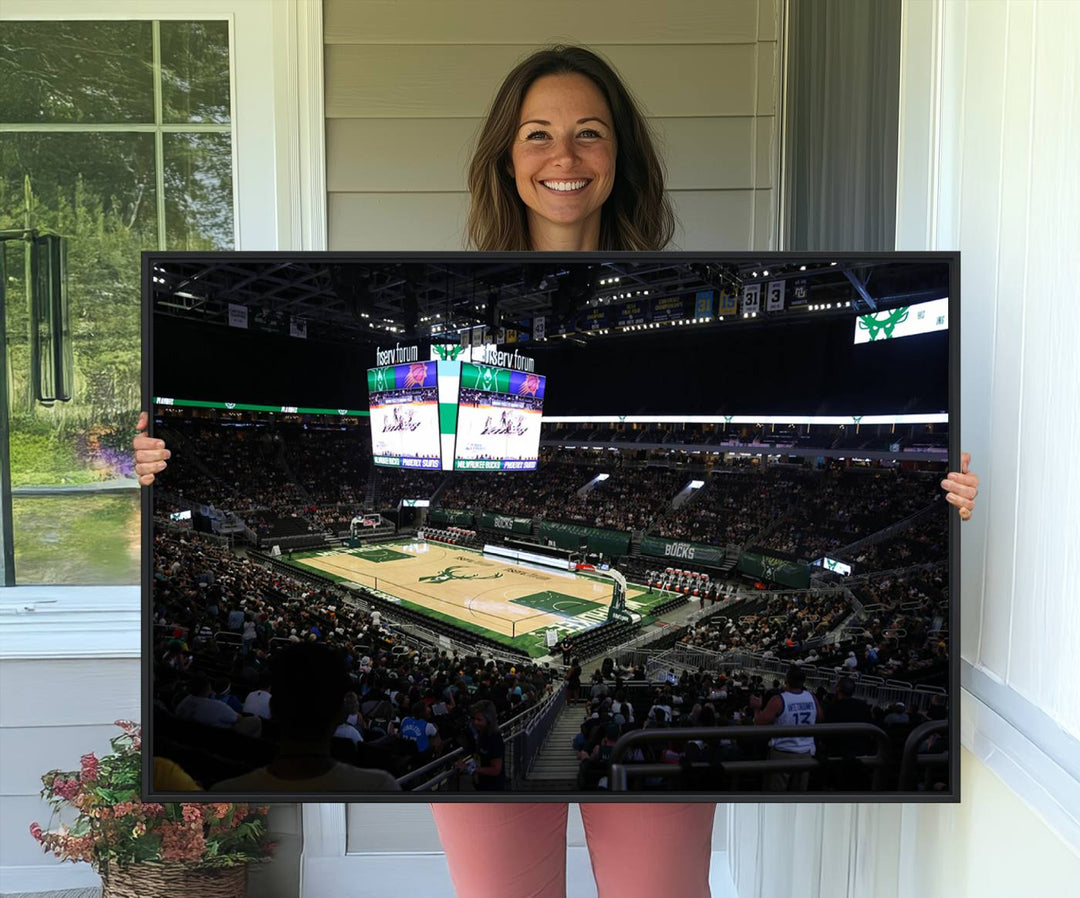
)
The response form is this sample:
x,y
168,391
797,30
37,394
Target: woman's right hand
x,y
150,454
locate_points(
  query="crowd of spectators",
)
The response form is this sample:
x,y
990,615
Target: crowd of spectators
x,y
219,618
735,504
549,492
620,702
846,504
926,542
780,626
900,633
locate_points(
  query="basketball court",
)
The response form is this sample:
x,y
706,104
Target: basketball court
x,y
513,603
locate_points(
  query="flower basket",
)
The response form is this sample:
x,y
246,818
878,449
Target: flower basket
x,y
173,881
147,849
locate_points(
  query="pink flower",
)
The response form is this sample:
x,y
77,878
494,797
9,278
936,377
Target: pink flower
x,y
36,832
192,813
181,842
89,768
65,788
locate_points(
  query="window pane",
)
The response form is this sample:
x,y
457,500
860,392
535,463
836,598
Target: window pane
x,y
198,192
195,72
76,72
77,540
98,191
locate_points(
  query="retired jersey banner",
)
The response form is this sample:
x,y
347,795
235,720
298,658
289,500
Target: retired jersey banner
x,y
539,325
698,553
728,303
703,304
751,299
774,298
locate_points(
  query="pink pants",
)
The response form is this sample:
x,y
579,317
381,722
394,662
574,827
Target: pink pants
x,y
519,850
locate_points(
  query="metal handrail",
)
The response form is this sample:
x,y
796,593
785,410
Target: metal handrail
x,y
621,771
510,729
911,759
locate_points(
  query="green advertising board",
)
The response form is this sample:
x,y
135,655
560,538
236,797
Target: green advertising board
x,y
676,550
504,522
450,516
775,570
571,536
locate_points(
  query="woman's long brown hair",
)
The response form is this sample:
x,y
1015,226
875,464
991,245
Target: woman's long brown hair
x,y
637,214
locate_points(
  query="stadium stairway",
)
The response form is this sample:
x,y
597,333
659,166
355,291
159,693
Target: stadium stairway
x,y
556,766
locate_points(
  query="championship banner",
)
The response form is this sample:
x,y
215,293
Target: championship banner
x,y
539,323
728,303
298,328
774,301
500,336
636,312
699,553
775,570
669,308
751,299
594,319
511,335
238,315
801,290
703,304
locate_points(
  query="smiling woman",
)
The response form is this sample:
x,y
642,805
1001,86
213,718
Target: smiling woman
x,y
563,160
563,117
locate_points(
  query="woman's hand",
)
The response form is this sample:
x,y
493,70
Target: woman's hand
x,y
150,454
962,488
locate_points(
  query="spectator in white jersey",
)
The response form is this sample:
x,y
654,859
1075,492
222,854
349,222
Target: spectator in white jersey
x,y
794,706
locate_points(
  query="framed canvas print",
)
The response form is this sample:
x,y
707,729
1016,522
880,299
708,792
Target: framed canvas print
x,y
600,527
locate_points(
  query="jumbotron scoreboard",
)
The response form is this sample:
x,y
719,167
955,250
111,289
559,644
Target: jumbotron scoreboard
x,y
455,415
404,405
498,423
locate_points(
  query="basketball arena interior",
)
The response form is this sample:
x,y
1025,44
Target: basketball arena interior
x,y
718,502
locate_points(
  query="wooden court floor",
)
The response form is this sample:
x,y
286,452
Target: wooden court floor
x,y
466,585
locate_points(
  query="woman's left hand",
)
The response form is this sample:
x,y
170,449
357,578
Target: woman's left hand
x,y
962,488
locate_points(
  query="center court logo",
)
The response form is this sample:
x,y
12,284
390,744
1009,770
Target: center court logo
x,y
448,574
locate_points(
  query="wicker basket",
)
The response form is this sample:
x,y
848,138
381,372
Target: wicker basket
x,y
174,881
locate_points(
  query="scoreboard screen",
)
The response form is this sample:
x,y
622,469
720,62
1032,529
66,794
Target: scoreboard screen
x,y
404,404
498,423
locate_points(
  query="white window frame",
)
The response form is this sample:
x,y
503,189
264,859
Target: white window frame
x,y
276,88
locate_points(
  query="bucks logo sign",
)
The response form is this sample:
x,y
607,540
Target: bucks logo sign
x,y
447,574
883,323
448,352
